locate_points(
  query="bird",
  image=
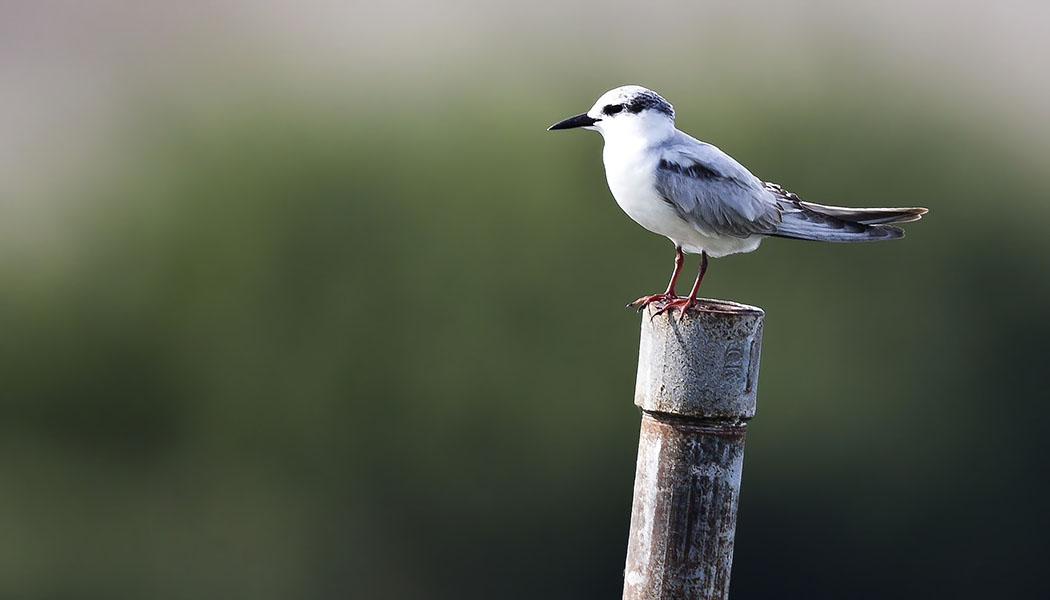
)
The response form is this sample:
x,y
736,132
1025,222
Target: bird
x,y
703,200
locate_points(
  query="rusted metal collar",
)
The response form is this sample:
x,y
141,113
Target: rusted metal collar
x,y
704,366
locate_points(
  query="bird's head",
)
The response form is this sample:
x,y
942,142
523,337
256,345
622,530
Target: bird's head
x,y
626,110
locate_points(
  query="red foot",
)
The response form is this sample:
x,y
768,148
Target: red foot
x,y
644,301
681,303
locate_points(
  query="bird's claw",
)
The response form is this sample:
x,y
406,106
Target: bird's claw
x,y
683,304
644,301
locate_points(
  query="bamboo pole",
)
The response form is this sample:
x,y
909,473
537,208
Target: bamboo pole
x,y
697,384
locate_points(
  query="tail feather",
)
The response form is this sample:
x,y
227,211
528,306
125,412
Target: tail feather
x,y
810,221
867,216
809,225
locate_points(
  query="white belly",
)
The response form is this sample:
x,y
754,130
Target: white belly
x,y
632,183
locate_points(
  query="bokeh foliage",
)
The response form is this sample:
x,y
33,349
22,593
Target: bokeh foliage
x,y
361,349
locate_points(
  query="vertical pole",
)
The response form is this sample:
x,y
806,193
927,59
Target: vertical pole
x,y
697,384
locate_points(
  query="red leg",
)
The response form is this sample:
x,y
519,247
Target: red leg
x,y
669,294
684,303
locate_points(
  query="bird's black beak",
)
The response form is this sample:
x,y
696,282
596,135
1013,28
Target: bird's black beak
x,y
573,122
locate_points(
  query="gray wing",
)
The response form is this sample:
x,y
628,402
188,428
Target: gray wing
x,y
803,220
713,192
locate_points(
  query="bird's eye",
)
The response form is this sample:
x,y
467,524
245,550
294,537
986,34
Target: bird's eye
x,y
612,109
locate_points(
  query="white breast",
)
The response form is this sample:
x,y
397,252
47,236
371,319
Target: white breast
x,y
631,174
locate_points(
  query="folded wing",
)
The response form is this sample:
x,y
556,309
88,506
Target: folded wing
x,y
810,221
719,197
714,193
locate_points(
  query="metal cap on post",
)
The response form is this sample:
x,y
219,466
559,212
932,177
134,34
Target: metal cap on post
x,y
697,385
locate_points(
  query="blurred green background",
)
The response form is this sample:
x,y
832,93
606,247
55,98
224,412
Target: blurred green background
x,y
302,301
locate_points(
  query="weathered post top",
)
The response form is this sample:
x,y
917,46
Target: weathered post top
x,y
705,365
697,385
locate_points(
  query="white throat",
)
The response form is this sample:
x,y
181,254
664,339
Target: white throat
x,y
645,129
